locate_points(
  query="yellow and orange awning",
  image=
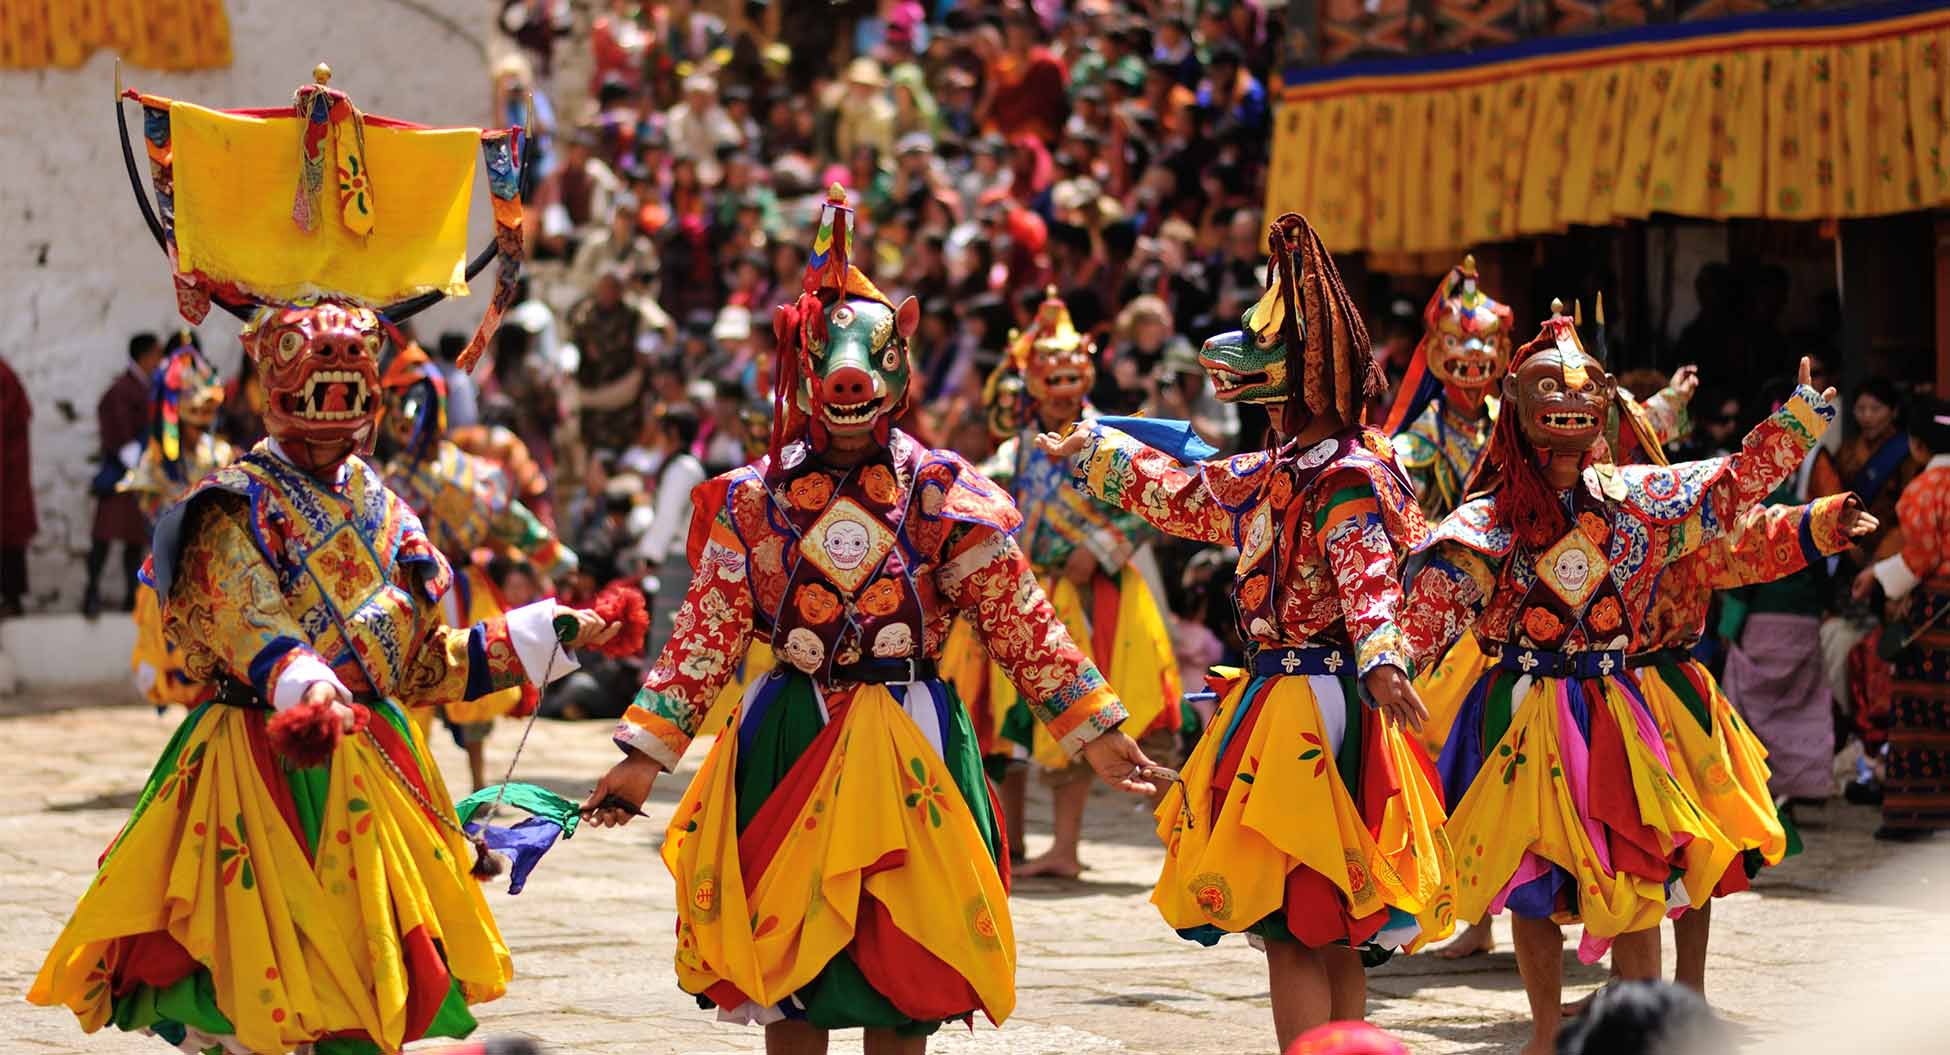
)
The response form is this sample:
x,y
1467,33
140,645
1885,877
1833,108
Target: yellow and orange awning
x,y
151,34
1788,115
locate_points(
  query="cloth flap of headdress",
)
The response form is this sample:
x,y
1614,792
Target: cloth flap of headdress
x,y
234,176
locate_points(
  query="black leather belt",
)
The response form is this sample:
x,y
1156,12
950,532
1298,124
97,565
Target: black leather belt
x,y
1676,654
886,671
233,693
1544,663
1315,660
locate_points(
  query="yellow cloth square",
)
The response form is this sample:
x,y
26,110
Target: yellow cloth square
x,y
235,180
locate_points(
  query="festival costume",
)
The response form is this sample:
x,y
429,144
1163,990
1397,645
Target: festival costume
x,y
1916,792
1563,800
837,855
1114,620
1302,814
321,900
185,389
466,504
1716,758
1440,424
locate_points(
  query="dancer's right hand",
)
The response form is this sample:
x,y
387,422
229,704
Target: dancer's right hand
x,y
629,781
1395,695
326,693
1805,377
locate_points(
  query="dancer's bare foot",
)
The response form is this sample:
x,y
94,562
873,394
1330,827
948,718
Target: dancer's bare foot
x,y
1475,940
1052,865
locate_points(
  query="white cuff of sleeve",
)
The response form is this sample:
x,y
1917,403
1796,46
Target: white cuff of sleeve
x,y
532,629
301,674
1896,578
631,735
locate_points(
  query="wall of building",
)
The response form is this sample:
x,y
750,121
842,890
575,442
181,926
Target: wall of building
x,y
78,271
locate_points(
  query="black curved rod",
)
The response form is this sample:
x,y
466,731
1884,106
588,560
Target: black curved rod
x,y
135,177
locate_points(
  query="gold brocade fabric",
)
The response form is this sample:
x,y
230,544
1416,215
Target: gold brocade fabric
x,y
1797,124
152,34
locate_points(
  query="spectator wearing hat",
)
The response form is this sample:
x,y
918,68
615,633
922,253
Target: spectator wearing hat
x,y
863,114
1028,87
1143,328
699,125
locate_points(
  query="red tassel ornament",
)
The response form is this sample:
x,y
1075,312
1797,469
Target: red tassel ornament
x,y
622,604
307,735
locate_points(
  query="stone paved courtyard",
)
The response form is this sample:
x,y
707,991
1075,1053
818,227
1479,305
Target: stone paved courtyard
x,y
1849,936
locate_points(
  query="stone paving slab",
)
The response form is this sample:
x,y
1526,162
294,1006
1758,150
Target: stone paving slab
x,y
1849,922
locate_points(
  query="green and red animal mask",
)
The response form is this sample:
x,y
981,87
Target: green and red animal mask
x,y
843,367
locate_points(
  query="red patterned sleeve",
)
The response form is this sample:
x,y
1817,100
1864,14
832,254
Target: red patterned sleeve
x,y
1767,543
1447,590
1347,521
1121,472
713,630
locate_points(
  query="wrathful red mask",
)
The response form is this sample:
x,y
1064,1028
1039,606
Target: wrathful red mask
x,y
320,367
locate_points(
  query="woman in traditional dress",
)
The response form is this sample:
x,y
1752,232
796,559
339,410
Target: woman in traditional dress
x,y
1916,577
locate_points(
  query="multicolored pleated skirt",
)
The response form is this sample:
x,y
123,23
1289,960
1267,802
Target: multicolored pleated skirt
x,y
837,861
1445,686
1916,784
1118,626
1304,816
1565,802
251,907
1717,760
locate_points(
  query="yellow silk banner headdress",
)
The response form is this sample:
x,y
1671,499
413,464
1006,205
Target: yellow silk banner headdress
x,y
222,181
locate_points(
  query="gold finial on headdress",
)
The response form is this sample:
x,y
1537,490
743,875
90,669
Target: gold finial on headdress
x,y
1577,311
321,73
1557,307
1049,292
836,193
1598,312
1469,263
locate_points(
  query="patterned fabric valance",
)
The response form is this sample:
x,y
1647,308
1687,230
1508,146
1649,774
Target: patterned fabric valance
x,y
1799,115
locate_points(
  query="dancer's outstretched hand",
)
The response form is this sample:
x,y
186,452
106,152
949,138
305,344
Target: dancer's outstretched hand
x,y
1685,381
1057,445
1120,762
1805,376
1395,695
1857,522
626,784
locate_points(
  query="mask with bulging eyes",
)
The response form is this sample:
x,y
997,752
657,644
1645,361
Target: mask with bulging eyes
x,y
856,367
319,364
1468,336
1249,364
1561,393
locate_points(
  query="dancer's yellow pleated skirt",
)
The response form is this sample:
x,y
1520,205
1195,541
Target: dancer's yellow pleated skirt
x,y
1716,758
1139,665
865,845
253,906
1265,822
